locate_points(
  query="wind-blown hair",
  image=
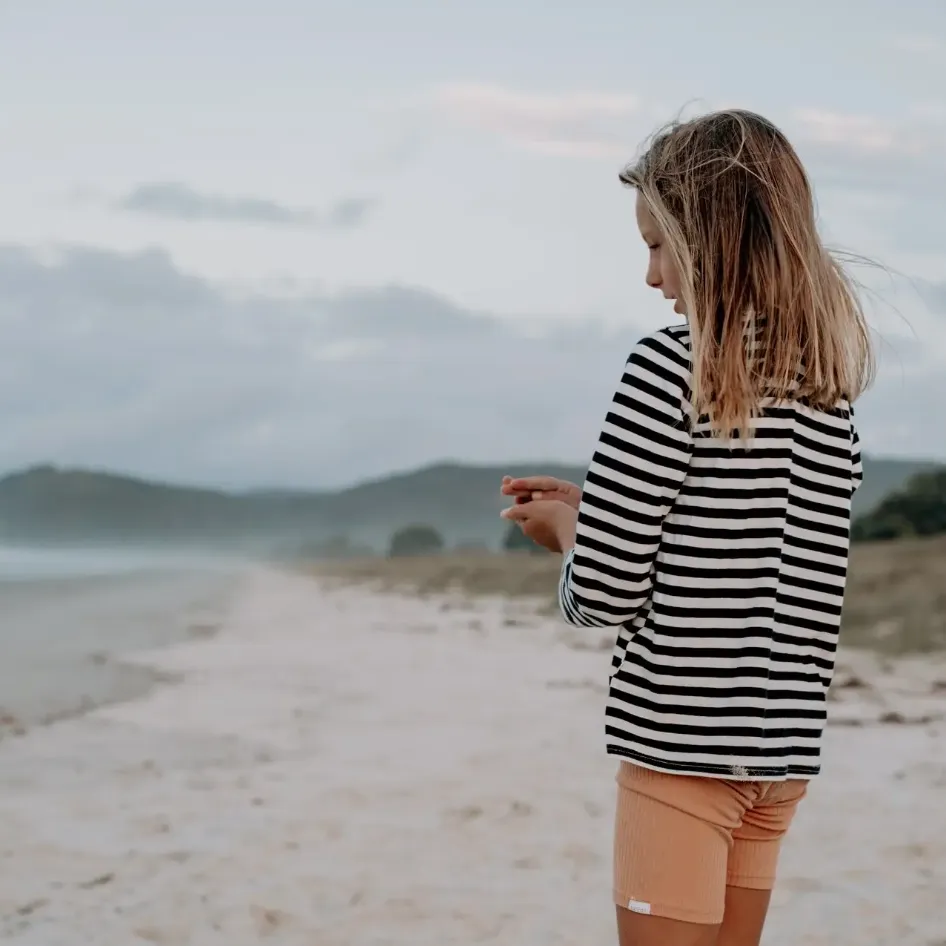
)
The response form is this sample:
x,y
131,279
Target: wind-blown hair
x,y
772,313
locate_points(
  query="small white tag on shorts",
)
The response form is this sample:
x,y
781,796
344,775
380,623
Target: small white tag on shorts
x,y
638,906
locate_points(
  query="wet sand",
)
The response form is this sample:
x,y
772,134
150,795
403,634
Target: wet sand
x,y
63,637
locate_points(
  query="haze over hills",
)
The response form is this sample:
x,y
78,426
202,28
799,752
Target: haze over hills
x,y
49,505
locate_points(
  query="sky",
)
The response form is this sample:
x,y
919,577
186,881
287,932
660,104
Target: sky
x,y
302,244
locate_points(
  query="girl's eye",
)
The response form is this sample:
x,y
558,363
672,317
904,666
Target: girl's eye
x,y
653,246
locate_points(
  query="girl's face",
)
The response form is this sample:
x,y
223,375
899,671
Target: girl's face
x,y
661,272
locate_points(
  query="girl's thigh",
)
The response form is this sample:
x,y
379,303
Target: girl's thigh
x,y
694,858
673,835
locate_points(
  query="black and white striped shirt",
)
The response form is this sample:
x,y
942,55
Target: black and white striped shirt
x,y
724,568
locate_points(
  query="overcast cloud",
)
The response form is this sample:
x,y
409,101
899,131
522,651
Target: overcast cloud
x,y
935,294
127,363
177,201
299,339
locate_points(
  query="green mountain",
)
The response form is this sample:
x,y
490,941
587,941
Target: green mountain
x,y
49,505
916,509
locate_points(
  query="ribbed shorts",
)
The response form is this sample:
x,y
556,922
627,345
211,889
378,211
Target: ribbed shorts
x,y
680,840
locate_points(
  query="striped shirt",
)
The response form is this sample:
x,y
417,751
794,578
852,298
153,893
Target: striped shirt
x,y
722,564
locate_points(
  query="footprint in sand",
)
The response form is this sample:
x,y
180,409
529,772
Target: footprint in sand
x,y
472,812
404,909
520,809
586,684
464,815
153,934
421,629
910,852
800,885
526,863
582,856
332,831
268,920
789,887
158,824
99,881
583,644
27,909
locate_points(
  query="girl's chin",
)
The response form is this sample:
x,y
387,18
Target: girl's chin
x,y
678,307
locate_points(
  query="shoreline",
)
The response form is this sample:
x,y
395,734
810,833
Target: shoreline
x,y
70,641
345,767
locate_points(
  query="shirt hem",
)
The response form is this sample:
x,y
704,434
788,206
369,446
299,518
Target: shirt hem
x,y
732,773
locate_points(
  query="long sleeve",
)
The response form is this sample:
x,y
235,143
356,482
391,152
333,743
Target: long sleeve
x,y
638,467
857,463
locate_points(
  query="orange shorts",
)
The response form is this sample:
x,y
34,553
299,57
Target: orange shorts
x,y
680,840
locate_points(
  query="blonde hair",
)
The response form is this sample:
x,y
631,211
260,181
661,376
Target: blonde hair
x,y
771,312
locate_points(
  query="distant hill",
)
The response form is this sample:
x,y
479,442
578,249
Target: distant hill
x,y
883,477
47,504
916,509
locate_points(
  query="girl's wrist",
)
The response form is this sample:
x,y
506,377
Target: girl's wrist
x,y
565,531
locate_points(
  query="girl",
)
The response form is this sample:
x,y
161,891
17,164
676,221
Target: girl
x,y
712,529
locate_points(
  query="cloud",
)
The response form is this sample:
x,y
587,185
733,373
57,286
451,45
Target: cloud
x,y
935,295
859,153
889,171
577,124
128,363
177,201
864,134
914,43
897,156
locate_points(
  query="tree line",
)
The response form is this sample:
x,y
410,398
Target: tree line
x,y
917,510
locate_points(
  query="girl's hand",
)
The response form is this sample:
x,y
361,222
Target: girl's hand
x,y
550,523
528,488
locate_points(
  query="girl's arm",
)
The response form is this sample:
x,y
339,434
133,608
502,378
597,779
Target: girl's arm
x,y
857,464
635,475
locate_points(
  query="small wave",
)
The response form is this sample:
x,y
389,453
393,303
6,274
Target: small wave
x,y
27,564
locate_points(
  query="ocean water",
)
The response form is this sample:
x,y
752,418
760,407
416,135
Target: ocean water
x,y
19,563
69,616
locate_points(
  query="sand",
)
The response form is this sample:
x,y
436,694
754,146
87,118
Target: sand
x,y
338,767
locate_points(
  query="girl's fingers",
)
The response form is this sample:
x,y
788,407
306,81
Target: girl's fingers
x,y
527,497
532,483
515,492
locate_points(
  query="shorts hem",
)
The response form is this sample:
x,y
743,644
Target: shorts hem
x,y
668,912
747,882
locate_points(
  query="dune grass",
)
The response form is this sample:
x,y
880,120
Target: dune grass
x,y
896,598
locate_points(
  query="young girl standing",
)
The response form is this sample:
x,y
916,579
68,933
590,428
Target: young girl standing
x,y
712,529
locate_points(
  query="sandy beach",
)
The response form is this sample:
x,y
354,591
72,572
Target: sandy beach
x,y
338,766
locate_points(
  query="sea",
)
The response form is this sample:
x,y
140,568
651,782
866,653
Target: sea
x,y
70,618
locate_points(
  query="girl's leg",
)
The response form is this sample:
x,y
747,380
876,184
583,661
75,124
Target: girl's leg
x,y
753,861
746,910
673,834
637,930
